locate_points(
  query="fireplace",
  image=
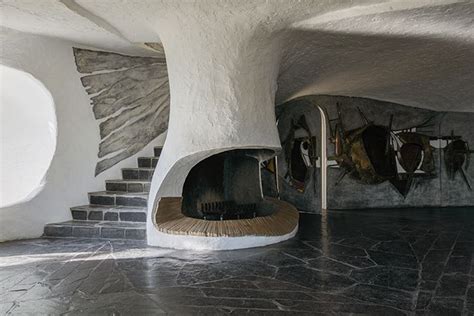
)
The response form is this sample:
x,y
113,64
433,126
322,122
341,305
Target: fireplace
x,y
222,206
225,186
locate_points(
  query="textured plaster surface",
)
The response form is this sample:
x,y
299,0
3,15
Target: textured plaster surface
x,y
223,81
219,243
71,173
350,193
416,53
417,57
222,95
227,59
130,96
55,19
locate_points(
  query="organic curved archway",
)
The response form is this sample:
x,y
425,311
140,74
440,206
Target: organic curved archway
x,y
27,135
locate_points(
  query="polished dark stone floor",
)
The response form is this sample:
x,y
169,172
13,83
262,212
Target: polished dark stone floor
x,y
346,262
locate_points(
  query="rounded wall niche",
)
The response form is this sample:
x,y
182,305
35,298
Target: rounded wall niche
x,y
27,135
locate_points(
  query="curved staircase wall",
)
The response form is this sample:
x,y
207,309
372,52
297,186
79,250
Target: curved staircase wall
x,y
71,174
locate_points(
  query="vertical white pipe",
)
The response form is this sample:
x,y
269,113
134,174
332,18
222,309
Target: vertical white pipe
x,y
323,160
277,181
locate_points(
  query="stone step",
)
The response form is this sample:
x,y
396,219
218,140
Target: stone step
x,y
157,151
109,213
119,198
97,229
127,185
137,173
147,162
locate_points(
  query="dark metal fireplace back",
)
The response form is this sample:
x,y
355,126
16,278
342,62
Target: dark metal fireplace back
x,y
223,186
224,210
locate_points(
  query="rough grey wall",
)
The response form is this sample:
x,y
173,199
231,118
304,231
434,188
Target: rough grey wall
x,y
129,96
309,199
455,192
349,193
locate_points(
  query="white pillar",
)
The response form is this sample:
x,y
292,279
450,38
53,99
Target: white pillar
x,y
324,160
222,72
223,60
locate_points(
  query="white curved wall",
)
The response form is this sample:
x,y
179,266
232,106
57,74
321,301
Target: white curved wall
x,y
27,135
222,97
189,242
416,53
71,174
223,65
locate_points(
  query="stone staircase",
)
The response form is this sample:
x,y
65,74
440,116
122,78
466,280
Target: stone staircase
x,y
119,212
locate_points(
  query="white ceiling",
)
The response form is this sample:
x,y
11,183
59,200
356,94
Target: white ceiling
x,y
54,18
421,57
414,52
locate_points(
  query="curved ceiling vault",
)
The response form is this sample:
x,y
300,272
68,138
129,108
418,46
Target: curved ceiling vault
x,y
418,53
420,57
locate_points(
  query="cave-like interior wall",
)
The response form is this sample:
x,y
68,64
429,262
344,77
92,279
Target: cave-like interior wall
x,y
432,190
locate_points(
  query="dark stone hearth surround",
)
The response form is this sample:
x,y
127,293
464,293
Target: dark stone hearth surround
x,y
381,262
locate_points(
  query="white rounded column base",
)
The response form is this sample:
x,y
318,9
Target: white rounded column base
x,y
189,242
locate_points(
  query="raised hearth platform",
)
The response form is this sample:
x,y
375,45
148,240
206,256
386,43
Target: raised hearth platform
x,y
181,232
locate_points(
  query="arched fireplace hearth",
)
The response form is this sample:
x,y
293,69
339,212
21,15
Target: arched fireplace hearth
x,y
222,206
226,186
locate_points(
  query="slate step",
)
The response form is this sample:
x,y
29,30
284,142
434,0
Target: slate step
x,y
147,162
137,173
127,185
119,198
109,213
97,229
157,151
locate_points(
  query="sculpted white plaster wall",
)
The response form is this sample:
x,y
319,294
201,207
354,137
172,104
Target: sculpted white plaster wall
x,y
71,174
222,90
376,26
393,50
27,135
225,59
58,19
223,62
219,243
222,65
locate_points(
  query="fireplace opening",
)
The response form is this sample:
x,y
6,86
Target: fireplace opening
x,y
226,186
222,201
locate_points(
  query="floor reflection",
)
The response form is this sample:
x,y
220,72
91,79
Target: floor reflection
x,y
391,262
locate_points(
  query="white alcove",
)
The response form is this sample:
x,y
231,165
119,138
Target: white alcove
x,y
27,135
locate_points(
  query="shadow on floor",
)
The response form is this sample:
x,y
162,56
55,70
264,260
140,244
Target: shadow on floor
x,y
390,262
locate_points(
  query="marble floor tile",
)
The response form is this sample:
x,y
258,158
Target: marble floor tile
x,y
366,262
